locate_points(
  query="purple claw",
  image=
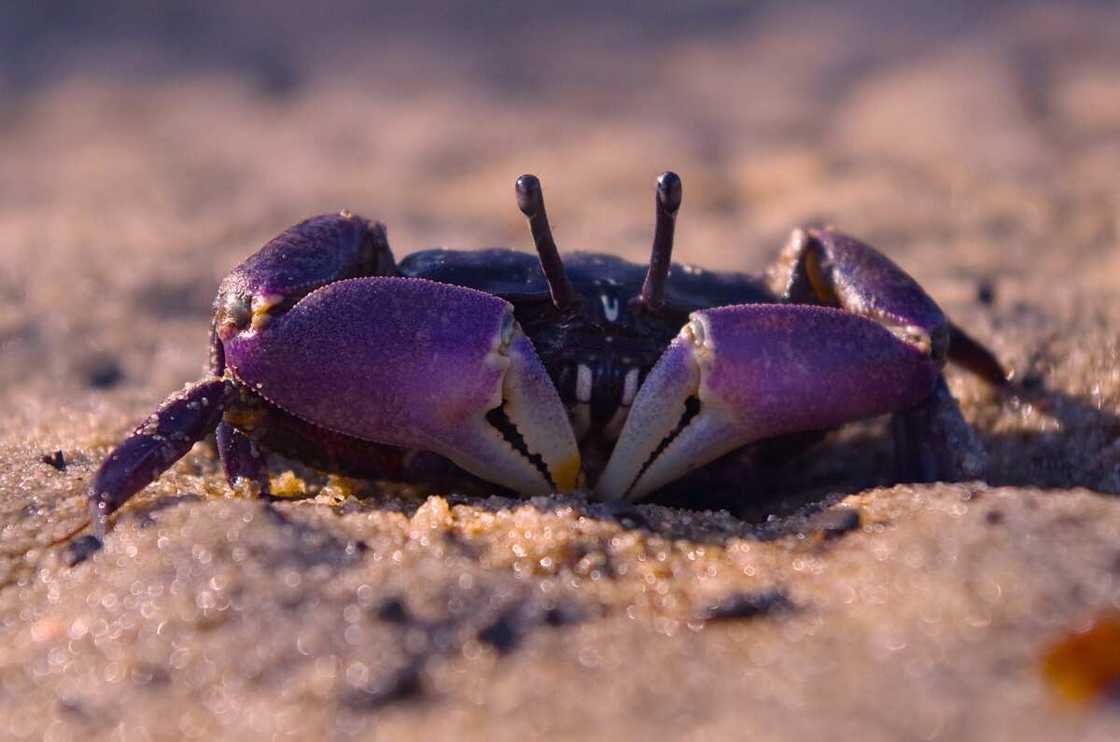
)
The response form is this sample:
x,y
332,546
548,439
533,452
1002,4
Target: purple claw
x,y
417,364
739,374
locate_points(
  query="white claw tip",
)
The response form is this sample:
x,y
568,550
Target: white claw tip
x,y
694,330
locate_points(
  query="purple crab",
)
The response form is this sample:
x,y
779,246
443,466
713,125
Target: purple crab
x,y
540,375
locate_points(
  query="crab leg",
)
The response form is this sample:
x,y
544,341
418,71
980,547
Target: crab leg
x,y
416,364
184,418
932,440
243,462
824,266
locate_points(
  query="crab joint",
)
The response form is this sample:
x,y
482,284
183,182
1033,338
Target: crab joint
x,y
262,305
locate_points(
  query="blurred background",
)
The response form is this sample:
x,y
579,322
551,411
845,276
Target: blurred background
x,y
147,148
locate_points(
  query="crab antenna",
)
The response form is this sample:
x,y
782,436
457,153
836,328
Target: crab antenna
x,y
657,277
531,202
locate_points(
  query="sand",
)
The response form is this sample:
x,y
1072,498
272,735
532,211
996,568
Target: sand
x,y
147,152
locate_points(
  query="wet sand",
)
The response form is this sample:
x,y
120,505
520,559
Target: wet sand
x,y
979,149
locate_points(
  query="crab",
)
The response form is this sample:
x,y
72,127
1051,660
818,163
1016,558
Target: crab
x,y
536,374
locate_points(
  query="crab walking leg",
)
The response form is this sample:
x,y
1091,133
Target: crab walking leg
x,y
967,352
243,462
184,418
416,364
825,266
933,442
739,374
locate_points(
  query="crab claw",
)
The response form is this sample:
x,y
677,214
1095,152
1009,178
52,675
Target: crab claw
x,y
738,374
416,364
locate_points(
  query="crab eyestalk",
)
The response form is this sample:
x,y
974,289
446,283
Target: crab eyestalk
x,y
669,193
530,200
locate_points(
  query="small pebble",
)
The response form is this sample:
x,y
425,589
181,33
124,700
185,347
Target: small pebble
x,y
627,514
557,616
403,685
1084,665
986,292
835,522
393,610
81,549
502,633
104,374
747,605
55,459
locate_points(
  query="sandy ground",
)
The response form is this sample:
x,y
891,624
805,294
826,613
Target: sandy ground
x,y
979,148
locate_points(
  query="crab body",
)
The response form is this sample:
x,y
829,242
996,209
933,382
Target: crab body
x,y
599,350
539,375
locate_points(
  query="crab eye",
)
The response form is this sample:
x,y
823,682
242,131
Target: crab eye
x,y
234,314
508,325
